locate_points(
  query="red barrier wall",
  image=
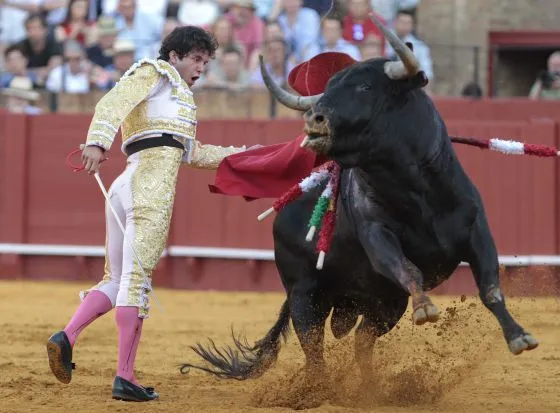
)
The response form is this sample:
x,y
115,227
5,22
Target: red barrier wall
x,y
43,202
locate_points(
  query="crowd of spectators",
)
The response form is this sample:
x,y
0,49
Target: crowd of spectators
x,y
74,46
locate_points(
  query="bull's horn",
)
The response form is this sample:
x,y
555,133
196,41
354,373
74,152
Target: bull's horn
x,y
411,63
301,103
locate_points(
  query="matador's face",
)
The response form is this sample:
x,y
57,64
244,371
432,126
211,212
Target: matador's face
x,y
191,66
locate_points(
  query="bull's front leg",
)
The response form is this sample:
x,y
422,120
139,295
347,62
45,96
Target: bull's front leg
x,y
387,258
483,260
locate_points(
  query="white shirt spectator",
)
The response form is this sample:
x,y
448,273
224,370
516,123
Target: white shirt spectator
x,y
198,12
264,7
342,46
73,83
12,21
153,7
303,35
145,31
56,16
388,8
421,51
332,41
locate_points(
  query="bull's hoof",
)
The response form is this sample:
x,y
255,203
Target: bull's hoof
x,y
424,313
522,343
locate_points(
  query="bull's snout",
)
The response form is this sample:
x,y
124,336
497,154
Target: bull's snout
x,y
318,132
316,124
315,119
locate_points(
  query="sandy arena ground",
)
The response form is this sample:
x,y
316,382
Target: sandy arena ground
x,y
460,364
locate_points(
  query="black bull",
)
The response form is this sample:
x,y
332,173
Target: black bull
x,y
407,216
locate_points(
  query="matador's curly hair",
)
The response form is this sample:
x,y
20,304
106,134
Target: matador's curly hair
x,y
186,39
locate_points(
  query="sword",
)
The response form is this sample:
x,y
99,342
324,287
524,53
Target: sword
x,y
106,195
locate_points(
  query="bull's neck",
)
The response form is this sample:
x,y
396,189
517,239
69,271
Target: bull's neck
x,y
387,169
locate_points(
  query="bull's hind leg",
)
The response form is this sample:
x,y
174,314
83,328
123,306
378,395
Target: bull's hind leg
x,y
309,310
387,258
483,259
381,318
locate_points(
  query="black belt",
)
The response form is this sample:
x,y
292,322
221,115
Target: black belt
x,y
163,140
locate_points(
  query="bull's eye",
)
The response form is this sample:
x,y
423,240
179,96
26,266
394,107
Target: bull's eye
x,y
364,87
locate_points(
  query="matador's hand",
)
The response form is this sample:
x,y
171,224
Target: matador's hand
x,y
92,156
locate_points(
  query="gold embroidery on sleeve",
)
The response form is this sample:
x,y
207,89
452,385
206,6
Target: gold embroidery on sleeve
x,y
210,156
116,104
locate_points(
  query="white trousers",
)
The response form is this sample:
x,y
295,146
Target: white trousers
x,y
143,197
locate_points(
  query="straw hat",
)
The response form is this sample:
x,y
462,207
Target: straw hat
x,y
123,46
250,4
106,25
21,87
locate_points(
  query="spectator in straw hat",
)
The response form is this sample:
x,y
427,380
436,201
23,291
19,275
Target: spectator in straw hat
x,y
100,53
123,57
248,28
20,95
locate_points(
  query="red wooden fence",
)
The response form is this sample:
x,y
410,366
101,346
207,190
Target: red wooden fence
x,y
43,202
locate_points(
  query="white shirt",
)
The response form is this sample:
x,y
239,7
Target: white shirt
x,y
198,13
73,83
388,8
12,21
421,51
153,7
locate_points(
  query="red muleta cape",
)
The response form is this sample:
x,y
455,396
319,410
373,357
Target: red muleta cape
x,y
269,171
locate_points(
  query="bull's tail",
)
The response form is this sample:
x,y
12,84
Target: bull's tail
x,y
243,361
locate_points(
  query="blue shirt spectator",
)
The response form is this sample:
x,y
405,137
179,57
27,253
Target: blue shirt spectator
x,y
143,29
276,64
16,65
403,26
332,40
301,27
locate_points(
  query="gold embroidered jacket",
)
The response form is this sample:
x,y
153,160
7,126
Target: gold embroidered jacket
x,y
151,99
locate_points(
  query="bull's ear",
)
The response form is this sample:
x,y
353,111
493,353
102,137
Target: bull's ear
x,y
419,80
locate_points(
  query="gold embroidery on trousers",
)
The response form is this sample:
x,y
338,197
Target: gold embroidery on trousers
x,y
153,193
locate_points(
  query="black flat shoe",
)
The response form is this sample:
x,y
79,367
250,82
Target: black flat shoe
x,y
129,392
59,351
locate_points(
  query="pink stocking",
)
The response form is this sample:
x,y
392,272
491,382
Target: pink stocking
x,y
95,304
130,329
